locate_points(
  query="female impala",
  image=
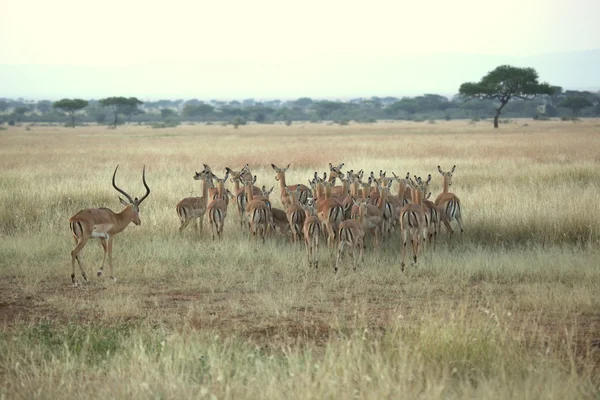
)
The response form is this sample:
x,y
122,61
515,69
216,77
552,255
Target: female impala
x,y
190,208
295,214
285,199
448,203
350,237
217,209
257,212
312,231
413,223
104,224
240,193
330,212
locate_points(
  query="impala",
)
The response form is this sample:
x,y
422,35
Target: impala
x,y
257,212
448,203
350,237
280,177
217,209
336,173
104,224
295,214
330,212
413,224
433,219
240,193
312,231
190,208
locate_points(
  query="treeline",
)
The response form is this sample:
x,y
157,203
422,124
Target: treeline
x,y
119,110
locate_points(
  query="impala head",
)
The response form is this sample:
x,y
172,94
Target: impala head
x,y
280,172
133,203
447,175
266,192
335,172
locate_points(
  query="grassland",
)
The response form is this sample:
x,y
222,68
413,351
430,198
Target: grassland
x,y
511,311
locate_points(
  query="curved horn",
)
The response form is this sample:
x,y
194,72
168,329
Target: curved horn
x,y
120,190
145,185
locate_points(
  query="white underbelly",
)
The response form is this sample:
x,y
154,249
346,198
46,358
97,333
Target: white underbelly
x,y
100,232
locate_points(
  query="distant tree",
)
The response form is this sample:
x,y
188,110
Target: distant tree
x,y
576,104
19,112
406,104
43,106
122,105
71,106
167,113
3,105
199,110
504,83
303,102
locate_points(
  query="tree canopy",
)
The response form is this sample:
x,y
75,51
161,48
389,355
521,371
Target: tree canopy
x,y
576,104
71,106
122,105
505,83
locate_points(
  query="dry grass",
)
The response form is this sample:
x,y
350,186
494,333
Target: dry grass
x,y
510,312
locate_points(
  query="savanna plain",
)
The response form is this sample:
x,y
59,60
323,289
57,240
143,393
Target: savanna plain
x,y
510,310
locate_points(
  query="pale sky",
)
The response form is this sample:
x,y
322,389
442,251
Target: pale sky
x,y
218,48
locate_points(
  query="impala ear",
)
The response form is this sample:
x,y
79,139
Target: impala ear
x,y
271,190
254,179
330,166
123,202
286,168
226,175
453,168
407,175
428,179
272,165
440,170
428,195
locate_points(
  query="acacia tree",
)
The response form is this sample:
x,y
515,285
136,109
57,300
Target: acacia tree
x,y
122,105
505,83
71,106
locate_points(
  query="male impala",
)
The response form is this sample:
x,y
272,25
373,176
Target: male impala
x,y
448,203
104,224
285,199
217,209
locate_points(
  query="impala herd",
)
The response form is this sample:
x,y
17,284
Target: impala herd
x,y
343,214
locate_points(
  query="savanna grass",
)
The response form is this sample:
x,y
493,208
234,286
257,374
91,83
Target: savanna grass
x,y
510,310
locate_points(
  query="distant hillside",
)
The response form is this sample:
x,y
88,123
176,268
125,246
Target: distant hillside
x,y
325,77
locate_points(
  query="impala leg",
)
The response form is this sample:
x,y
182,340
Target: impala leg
x,y
339,255
110,264
76,256
105,247
403,264
184,224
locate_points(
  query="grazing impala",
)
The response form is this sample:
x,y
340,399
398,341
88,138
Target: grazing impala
x,y
448,203
217,209
104,224
190,208
285,199
413,223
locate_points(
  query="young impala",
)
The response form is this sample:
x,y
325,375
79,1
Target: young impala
x,y
303,194
104,224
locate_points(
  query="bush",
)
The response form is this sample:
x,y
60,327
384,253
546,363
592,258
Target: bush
x,y
431,121
288,122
